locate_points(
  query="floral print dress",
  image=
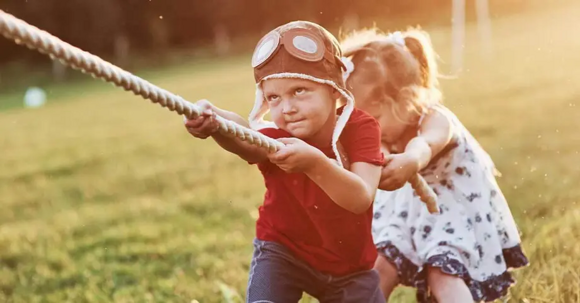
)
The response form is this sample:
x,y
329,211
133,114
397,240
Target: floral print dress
x,y
473,237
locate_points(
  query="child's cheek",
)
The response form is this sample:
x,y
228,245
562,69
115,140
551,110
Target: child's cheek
x,y
279,122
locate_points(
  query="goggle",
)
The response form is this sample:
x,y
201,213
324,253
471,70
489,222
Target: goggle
x,y
298,42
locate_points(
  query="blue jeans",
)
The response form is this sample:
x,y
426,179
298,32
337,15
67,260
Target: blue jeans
x,y
276,276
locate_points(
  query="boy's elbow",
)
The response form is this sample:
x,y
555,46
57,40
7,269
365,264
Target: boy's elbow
x,y
364,201
361,207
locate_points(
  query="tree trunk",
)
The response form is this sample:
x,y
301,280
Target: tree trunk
x,y
122,50
58,71
222,40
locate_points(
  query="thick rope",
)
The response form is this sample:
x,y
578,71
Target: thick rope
x,y
25,34
425,192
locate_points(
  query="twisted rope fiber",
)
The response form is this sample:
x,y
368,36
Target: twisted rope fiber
x,y
36,39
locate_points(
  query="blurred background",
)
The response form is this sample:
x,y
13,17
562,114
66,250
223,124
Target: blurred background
x,y
104,197
142,33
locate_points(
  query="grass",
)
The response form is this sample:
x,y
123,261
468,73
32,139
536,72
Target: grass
x,y
106,198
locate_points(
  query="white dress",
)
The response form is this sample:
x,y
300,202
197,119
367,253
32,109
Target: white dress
x,y
474,236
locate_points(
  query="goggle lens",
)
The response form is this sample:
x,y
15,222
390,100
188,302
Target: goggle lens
x,y
300,43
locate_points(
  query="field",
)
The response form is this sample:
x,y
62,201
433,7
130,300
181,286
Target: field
x,y
104,197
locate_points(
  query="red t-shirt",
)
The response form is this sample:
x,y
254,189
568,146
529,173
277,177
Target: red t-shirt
x,y
298,214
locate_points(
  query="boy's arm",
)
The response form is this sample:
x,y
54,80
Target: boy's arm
x,y
353,190
244,150
435,134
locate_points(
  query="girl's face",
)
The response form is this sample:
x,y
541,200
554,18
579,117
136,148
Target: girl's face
x,y
303,108
370,98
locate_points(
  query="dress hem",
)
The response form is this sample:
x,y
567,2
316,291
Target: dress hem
x,y
492,288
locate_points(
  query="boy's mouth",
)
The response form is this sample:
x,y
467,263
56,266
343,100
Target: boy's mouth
x,y
294,121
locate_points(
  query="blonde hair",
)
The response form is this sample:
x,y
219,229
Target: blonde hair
x,y
405,69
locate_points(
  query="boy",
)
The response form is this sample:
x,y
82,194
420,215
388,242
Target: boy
x,y
314,230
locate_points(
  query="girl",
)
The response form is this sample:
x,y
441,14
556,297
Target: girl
x,y
314,229
463,253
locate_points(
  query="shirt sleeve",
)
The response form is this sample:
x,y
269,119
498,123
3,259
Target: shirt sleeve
x,y
361,139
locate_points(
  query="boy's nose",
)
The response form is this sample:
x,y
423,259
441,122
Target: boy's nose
x,y
288,108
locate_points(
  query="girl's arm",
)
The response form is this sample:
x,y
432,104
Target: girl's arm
x,y
353,190
435,134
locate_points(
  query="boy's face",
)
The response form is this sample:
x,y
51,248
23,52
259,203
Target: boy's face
x,y
303,108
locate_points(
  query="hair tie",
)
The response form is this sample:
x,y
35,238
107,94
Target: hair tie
x,y
396,38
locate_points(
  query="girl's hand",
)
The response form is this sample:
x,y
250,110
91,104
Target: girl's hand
x,y
297,156
397,170
206,124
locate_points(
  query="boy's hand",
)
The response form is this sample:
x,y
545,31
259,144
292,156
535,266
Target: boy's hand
x,y
397,170
297,156
206,124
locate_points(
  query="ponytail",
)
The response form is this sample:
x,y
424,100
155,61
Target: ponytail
x,y
419,45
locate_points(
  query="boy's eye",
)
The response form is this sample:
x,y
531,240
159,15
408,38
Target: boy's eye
x,y
272,98
300,90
